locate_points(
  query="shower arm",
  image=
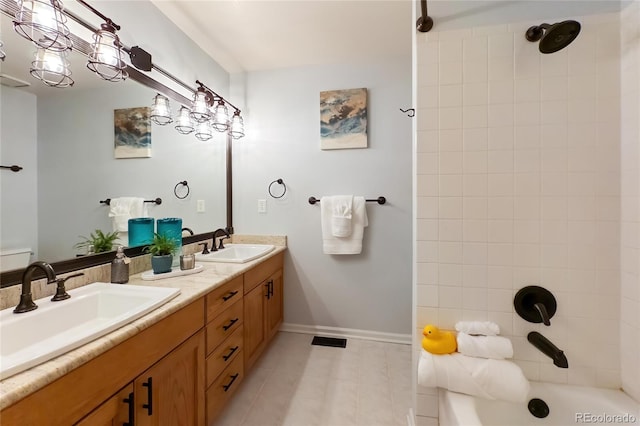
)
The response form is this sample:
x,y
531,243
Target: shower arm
x,y
424,23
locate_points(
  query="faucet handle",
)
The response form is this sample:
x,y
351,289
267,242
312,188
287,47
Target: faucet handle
x,y
61,291
205,248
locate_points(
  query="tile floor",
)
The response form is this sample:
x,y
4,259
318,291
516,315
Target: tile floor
x,y
367,383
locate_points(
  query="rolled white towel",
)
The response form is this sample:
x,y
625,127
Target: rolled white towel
x,y
485,378
494,347
484,328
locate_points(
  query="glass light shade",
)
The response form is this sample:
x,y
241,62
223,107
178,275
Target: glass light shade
x,y
2,54
237,126
203,131
184,123
199,108
220,120
43,23
106,57
52,68
160,110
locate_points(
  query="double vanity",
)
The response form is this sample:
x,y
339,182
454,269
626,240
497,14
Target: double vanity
x,y
179,362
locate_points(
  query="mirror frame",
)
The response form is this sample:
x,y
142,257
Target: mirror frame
x,y
14,277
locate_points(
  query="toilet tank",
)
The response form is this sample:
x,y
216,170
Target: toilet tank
x,y
14,258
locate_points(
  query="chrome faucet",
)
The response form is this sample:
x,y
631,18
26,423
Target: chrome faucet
x,y
216,233
26,300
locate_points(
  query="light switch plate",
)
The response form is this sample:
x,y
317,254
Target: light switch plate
x,y
262,206
200,206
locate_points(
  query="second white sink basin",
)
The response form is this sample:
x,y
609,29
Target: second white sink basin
x,y
236,253
54,328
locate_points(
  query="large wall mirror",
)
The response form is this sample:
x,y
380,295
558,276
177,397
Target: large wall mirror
x,y
64,140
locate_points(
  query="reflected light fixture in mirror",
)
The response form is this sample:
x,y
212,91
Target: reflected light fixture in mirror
x,y
52,68
220,120
237,125
199,108
2,54
43,23
105,58
184,124
203,131
160,110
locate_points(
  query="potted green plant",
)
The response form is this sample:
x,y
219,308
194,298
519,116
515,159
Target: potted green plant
x,y
100,241
161,249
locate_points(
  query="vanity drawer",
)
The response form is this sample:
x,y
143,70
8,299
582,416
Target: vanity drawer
x,y
224,387
224,325
223,297
262,271
224,355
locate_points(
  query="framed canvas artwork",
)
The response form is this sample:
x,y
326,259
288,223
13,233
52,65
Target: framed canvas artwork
x,y
343,119
132,132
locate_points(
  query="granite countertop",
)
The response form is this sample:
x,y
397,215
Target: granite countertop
x,y
192,287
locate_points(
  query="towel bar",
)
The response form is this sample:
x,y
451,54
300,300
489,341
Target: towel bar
x,y
379,200
157,201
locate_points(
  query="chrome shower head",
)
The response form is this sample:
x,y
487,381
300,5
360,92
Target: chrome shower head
x,y
554,37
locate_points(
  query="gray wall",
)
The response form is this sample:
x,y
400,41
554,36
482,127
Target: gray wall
x,y
371,291
18,191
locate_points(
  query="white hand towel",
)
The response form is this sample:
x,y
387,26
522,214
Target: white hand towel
x,y
343,245
342,215
484,328
486,378
121,210
494,347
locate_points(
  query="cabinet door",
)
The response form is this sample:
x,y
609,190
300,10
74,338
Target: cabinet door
x,y
254,330
116,411
274,312
172,391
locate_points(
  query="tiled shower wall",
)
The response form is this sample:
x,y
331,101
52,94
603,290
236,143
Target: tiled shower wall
x,y
630,192
518,183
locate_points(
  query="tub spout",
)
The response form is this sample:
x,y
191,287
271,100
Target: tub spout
x,y
548,348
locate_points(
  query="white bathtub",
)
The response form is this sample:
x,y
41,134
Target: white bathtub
x,y
568,405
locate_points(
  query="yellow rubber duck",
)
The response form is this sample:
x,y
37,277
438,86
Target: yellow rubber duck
x,y
438,342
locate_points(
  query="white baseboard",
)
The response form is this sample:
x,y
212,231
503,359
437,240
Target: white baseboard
x,y
404,339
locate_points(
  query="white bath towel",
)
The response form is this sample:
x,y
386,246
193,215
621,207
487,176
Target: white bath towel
x,y
343,245
485,378
121,210
342,215
494,347
484,328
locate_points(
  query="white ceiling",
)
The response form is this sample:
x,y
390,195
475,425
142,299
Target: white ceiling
x,y
249,35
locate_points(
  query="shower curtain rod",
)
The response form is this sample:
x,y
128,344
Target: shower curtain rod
x,y
424,23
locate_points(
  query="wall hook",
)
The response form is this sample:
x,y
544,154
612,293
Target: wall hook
x,y
411,112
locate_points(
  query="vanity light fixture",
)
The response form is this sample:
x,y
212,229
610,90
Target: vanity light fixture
x,y
44,23
203,131
52,68
2,54
184,124
237,125
105,58
220,120
160,110
199,108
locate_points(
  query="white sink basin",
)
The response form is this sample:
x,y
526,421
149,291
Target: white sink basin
x,y
236,253
54,328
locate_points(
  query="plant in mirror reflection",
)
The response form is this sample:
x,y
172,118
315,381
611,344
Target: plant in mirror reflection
x,y
100,241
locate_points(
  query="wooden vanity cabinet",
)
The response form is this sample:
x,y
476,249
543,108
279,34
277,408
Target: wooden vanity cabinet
x,y
90,387
263,307
224,329
117,410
